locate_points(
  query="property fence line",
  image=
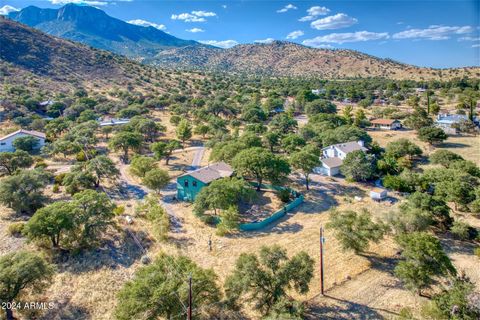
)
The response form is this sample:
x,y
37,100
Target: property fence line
x,y
277,215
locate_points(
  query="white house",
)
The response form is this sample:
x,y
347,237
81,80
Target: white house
x,y
113,122
386,124
333,156
378,193
448,121
6,142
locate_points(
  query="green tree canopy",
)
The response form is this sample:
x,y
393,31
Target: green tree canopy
x,y
305,161
156,179
26,143
432,135
260,164
423,260
266,278
23,192
161,289
126,141
11,161
355,231
358,166
22,271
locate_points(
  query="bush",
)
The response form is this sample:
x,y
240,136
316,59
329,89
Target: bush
x,y
56,188
59,178
41,165
397,183
284,195
460,230
476,251
118,211
81,157
16,229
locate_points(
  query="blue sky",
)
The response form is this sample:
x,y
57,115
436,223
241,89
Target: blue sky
x,y
426,33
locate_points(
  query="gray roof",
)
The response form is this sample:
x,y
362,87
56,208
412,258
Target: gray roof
x,y
451,118
348,147
211,172
37,134
333,162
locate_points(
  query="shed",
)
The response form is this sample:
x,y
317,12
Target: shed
x,y
378,193
190,183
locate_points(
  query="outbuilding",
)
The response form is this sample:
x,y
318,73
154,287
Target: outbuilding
x,y
378,194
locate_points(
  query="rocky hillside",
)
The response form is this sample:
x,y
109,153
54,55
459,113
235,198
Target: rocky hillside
x,y
289,59
53,57
92,26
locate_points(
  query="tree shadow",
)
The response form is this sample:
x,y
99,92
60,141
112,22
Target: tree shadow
x,y
126,191
118,250
451,245
453,145
344,309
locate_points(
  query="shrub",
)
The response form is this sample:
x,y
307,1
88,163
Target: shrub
x,y
476,251
16,229
460,230
41,165
81,157
284,195
118,211
59,178
56,188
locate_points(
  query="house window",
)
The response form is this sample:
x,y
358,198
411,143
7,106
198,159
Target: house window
x,y
194,183
186,183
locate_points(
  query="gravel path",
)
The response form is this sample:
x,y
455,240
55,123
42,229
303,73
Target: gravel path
x,y
168,193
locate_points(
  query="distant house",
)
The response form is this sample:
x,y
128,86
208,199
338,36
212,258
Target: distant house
x,y
318,91
447,122
46,103
386,124
6,142
190,183
378,193
420,90
113,122
333,156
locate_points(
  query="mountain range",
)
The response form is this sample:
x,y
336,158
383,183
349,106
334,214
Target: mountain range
x,y
93,27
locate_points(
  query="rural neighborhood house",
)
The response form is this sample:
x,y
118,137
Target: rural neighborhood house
x,y
386,124
333,156
190,184
6,142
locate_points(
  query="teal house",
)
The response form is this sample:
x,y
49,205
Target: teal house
x,y
190,183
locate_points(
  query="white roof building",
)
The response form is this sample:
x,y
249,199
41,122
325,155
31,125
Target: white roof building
x,y
6,142
333,156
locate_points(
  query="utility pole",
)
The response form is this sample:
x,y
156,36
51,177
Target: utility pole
x,y
189,315
321,261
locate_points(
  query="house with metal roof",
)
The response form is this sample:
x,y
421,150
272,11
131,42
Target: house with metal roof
x,y
333,156
6,142
448,122
190,183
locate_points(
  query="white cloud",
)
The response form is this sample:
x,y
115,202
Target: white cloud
x,y
286,8
468,38
476,45
295,34
345,37
338,21
314,12
202,13
268,40
144,23
195,30
194,16
222,44
5,10
433,32
224,6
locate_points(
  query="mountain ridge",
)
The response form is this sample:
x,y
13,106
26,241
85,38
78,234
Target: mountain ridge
x,y
92,26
